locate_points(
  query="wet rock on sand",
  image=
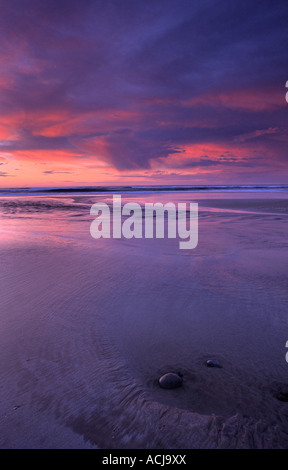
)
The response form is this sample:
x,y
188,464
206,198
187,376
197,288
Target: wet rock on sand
x,y
170,380
280,391
213,363
282,396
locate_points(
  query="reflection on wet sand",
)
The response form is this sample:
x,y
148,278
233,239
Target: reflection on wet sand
x,y
88,327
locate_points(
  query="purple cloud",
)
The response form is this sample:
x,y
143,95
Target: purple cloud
x,y
75,65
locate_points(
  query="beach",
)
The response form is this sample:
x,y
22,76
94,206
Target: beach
x,y
88,326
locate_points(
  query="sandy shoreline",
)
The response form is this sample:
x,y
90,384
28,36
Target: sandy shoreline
x,y
88,326
274,205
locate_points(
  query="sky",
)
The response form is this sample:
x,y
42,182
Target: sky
x,y
133,92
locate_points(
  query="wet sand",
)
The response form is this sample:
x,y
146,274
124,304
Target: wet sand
x,y
88,326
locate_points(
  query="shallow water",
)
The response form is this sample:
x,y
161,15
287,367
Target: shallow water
x,y
88,326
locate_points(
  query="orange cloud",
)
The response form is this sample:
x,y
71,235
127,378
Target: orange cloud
x,y
63,124
251,100
46,155
4,132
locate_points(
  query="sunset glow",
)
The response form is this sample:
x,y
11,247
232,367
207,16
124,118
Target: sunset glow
x,y
143,93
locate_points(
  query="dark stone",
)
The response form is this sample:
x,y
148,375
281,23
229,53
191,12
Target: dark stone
x,y
213,363
282,396
280,391
170,380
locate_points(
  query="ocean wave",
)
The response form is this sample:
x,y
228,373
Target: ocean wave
x,y
142,189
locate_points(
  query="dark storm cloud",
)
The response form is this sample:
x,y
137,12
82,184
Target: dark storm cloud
x,y
150,57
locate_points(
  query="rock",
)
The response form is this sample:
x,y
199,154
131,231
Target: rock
x,y
170,380
280,391
282,396
213,363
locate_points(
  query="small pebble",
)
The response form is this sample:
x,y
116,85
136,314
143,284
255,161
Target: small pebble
x,y
282,396
213,363
170,380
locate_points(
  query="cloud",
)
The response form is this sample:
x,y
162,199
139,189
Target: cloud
x,y
130,84
272,131
53,172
